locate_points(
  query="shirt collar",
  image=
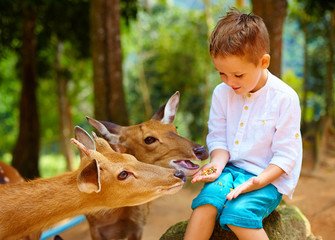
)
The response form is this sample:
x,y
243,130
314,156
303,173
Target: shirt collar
x,y
259,91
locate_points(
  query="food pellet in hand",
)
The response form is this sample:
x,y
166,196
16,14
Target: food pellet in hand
x,y
208,171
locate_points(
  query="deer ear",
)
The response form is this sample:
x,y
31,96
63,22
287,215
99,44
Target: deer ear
x,y
166,114
82,136
85,144
88,180
109,131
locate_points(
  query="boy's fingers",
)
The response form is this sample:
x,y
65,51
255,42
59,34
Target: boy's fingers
x,y
231,195
209,178
197,179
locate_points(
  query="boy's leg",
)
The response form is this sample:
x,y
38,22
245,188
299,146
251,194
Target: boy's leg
x,y
249,233
201,223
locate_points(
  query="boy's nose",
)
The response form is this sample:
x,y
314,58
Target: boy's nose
x,y
228,81
225,79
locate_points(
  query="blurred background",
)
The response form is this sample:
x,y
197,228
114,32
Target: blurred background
x,y
120,60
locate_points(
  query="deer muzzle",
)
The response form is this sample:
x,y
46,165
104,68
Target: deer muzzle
x,y
201,153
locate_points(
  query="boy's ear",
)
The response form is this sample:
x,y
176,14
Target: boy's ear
x,y
265,61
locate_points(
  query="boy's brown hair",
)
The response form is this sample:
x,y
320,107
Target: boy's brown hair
x,y
240,34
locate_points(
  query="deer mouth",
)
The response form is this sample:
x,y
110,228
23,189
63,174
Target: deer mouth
x,y
186,164
174,188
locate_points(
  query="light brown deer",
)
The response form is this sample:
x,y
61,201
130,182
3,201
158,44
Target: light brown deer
x,y
105,179
9,175
156,142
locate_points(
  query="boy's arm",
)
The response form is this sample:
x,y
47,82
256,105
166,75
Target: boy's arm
x,y
216,138
219,159
270,174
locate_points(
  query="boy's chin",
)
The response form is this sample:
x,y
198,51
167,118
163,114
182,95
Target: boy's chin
x,y
240,91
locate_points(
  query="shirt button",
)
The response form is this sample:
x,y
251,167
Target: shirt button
x,y
236,142
241,124
263,122
249,95
246,108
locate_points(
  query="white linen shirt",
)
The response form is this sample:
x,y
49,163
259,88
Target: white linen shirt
x,y
258,129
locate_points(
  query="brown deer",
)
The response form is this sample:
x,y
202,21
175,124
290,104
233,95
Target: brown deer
x,y
105,179
9,175
155,142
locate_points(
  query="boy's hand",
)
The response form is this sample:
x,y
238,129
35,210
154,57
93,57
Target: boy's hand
x,y
197,177
271,173
250,185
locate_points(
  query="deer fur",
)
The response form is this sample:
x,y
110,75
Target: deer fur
x,y
105,179
155,142
9,175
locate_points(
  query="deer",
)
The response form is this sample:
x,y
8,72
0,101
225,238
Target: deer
x,y
105,179
9,175
156,142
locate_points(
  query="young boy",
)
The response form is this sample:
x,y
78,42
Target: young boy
x,y
254,135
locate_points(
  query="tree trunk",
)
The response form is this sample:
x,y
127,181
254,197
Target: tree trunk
x,y
109,98
330,69
273,13
26,150
65,116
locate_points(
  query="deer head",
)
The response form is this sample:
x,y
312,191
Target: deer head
x,y
155,141
133,182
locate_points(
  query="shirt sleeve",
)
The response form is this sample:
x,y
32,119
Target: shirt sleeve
x,y
217,124
287,142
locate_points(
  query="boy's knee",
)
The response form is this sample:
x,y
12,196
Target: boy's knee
x,y
207,210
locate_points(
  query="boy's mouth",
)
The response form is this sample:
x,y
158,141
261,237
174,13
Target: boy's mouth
x,y
235,88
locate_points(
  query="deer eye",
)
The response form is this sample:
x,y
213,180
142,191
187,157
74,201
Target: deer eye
x,y
123,175
150,140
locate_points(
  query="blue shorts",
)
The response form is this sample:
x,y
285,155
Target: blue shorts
x,y
247,210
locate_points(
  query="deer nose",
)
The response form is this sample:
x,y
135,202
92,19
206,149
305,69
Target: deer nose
x,y
181,175
201,153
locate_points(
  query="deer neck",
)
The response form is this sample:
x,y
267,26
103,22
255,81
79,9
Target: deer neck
x,y
39,204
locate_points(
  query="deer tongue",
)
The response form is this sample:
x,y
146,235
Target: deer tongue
x,y
187,164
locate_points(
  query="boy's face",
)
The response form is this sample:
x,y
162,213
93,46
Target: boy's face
x,y
240,74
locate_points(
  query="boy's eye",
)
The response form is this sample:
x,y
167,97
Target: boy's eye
x,y
239,76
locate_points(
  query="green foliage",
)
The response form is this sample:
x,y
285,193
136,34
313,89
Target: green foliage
x,y
58,22
292,80
293,52
9,95
317,8
80,94
314,25
173,51
51,165
314,101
